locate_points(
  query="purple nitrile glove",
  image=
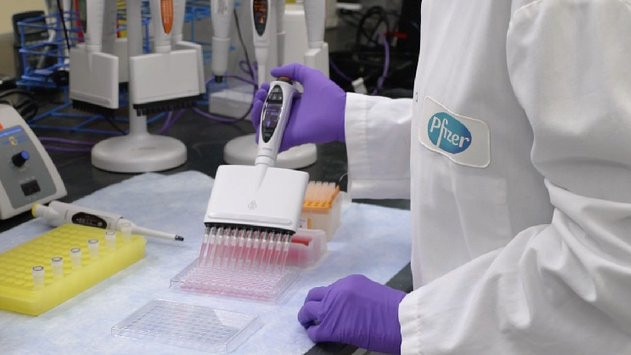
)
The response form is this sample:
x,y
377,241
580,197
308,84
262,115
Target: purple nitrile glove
x,y
354,310
317,116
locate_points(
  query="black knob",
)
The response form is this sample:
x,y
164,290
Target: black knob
x,y
20,158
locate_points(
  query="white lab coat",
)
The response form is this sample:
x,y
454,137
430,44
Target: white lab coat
x,y
516,154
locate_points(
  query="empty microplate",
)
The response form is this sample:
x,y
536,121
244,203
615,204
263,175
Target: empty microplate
x,y
189,326
266,285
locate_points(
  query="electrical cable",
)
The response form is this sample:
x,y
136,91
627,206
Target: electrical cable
x,y
250,70
372,58
229,120
382,17
65,141
386,65
114,125
25,103
67,150
169,122
245,50
246,66
19,92
63,23
55,144
339,72
27,107
247,81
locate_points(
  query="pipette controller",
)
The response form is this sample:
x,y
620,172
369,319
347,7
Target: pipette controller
x,y
58,213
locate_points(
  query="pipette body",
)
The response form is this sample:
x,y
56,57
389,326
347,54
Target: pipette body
x,y
58,213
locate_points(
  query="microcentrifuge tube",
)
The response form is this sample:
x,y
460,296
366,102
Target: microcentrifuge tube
x,y
93,245
110,238
126,229
38,275
57,262
75,255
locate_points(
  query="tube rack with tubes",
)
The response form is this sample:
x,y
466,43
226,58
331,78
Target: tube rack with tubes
x,y
250,264
56,266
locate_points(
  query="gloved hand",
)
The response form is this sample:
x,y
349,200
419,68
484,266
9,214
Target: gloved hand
x,y
317,116
354,310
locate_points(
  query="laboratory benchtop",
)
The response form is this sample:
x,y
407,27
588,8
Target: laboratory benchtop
x,y
204,140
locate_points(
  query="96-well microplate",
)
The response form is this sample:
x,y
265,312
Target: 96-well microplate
x,y
266,284
190,326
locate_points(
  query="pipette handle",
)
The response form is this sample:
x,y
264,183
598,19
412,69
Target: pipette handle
x,y
274,118
58,213
179,10
221,12
163,18
261,34
315,16
94,33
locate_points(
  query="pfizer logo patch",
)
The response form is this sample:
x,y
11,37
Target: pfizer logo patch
x,y
464,140
448,134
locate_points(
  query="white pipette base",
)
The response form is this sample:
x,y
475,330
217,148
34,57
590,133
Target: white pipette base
x,y
138,153
242,151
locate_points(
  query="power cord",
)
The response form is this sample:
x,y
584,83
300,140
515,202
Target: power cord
x,y
250,72
369,59
63,24
22,101
375,61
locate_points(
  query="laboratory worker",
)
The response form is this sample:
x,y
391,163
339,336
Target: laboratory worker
x,y
515,152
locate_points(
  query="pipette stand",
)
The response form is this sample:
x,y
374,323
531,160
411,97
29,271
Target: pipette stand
x,y
242,151
138,151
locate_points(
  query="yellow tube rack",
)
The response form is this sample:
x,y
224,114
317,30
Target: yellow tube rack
x,y
34,280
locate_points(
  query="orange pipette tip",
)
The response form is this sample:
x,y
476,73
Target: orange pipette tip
x,y
166,8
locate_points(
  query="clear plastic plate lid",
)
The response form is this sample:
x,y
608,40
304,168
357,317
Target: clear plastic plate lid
x,y
190,326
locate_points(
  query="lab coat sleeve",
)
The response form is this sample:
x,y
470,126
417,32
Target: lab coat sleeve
x,y
378,146
562,288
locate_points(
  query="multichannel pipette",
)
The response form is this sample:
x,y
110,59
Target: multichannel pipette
x,y
251,195
58,213
260,203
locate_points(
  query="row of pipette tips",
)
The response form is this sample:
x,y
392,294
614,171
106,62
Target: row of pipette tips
x,y
244,249
320,192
